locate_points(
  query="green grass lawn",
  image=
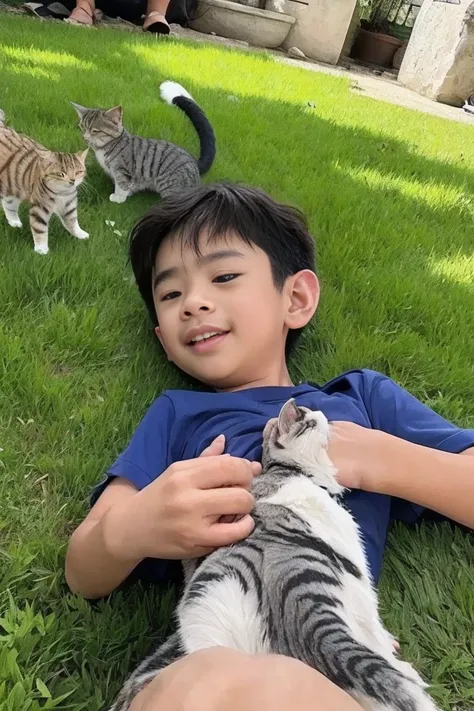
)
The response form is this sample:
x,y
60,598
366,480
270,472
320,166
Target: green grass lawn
x,y
390,198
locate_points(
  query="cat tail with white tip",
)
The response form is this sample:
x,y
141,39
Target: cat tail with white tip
x,y
175,94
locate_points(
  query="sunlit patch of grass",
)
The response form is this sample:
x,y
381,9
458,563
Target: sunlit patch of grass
x,y
28,55
388,195
458,269
244,74
436,195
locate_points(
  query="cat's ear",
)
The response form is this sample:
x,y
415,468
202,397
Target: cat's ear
x,y
115,114
289,414
82,155
49,158
81,110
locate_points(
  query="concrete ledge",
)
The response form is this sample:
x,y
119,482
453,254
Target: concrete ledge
x,y
230,19
321,27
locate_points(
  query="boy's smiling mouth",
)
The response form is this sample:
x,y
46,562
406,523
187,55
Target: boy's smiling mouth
x,y
205,338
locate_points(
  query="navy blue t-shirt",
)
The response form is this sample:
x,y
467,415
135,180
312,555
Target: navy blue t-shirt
x,y
181,423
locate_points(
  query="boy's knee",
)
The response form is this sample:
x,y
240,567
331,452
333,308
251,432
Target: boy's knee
x,y
221,678
198,682
218,674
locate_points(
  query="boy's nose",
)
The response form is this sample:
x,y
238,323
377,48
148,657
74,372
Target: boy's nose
x,y
192,312
196,304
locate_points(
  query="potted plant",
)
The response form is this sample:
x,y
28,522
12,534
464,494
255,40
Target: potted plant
x,y
373,43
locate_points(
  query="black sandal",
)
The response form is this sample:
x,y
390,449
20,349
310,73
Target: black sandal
x,y
38,10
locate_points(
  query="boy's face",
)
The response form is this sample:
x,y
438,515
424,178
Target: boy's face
x,y
221,318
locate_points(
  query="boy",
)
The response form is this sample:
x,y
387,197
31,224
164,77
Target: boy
x,y
228,277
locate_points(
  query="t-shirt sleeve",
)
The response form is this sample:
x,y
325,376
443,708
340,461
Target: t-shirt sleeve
x,y
393,410
147,455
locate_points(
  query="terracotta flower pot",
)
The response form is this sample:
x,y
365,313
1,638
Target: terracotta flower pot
x,y
398,56
375,48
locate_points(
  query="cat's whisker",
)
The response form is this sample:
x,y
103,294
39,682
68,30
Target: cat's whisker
x,y
306,441
87,189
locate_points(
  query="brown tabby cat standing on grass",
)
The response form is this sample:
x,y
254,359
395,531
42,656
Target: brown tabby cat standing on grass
x,y
47,179
135,163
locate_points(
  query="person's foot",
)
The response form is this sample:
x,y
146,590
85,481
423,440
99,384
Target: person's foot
x,y
156,22
80,16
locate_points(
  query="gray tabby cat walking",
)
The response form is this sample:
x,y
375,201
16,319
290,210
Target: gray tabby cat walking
x,y
136,164
47,179
298,585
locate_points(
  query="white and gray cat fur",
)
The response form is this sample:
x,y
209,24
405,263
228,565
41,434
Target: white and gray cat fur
x,y
136,164
298,585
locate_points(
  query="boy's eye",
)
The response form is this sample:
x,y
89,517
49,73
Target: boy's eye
x,y
171,295
222,278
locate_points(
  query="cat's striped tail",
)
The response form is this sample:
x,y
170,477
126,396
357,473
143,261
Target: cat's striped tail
x,y
174,93
2,117
375,682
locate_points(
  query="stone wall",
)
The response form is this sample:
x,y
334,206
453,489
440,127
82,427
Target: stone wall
x,y
439,61
351,32
321,27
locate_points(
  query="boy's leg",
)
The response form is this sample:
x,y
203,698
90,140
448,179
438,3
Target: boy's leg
x,y
218,679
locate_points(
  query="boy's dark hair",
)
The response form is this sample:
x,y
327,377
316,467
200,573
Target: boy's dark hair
x,y
223,209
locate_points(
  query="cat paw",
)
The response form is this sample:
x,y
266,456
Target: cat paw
x,y
117,198
15,222
81,234
41,249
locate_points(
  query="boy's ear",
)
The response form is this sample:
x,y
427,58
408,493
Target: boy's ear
x,y
303,298
160,338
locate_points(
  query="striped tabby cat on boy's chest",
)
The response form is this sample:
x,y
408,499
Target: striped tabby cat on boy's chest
x,y
136,164
48,180
298,585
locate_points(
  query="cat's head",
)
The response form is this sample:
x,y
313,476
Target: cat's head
x,y
99,126
298,438
62,171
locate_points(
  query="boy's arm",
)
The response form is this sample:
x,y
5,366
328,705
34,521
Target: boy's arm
x,y
411,453
439,481
174,517
92,569
376,461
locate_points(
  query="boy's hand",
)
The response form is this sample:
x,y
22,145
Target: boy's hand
x,y
361,454
177,516
383,463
